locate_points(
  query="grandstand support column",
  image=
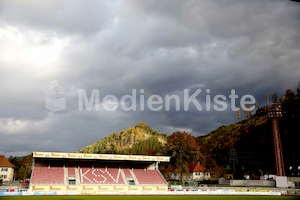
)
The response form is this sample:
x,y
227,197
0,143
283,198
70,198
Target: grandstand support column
x,y
77,179
66,175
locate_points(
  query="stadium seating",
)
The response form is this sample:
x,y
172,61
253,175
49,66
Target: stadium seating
x,y
47,175
127,173
101,176
148,176
71,172
95,175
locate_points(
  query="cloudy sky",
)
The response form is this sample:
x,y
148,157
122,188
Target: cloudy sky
x,y
51,50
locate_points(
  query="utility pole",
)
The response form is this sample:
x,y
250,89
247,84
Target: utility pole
x,y
233,158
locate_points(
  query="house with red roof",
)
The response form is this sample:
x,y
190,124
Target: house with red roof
x,y
198,172
6,169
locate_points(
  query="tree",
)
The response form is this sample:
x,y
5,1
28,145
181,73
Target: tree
x,y
274,97
289,93
184,150
150,147
22,166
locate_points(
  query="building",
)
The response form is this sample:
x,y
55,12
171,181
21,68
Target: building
x,y
6,169
199,172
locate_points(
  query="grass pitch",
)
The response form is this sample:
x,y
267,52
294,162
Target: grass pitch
x,y
150,197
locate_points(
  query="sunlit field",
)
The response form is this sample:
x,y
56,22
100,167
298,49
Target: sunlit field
x,y
148,197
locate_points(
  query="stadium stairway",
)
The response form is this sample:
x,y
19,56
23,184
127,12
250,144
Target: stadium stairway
x,y
129,176
70,173
123,176
127,173
134,177
162,176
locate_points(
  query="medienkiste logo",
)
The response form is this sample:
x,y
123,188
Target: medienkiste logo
x,y
137,100
55,97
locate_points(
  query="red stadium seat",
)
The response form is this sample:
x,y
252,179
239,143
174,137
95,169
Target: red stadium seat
x,y
148,176
47,175
71,172
127,173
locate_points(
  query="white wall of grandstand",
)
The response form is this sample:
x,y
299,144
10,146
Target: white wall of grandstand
x,y
54,171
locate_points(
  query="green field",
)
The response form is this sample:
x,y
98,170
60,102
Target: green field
x,y
148,197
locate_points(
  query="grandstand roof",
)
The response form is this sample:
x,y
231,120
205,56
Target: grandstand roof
x,y
4,162
100,156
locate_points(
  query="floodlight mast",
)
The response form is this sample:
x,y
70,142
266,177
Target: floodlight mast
x,y
275,112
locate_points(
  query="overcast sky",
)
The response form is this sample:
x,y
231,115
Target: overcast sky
x,y
157,47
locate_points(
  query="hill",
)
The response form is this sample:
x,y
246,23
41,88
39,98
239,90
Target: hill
x,y
139,139
248,146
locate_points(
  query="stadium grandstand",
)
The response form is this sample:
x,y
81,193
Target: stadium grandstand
x,y
96,173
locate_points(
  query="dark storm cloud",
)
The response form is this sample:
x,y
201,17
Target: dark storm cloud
x,y
116,46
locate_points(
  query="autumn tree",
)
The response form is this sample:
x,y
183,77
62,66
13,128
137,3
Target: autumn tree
x,y
184,150
22,166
